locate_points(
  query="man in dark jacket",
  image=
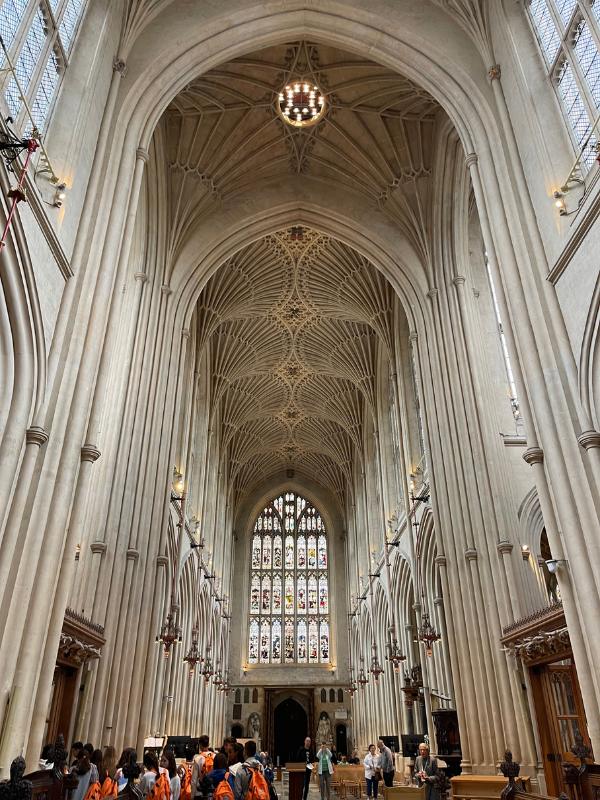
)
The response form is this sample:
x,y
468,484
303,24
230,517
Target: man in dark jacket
x,y
306,755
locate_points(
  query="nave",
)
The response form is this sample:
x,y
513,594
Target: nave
x,y
299,416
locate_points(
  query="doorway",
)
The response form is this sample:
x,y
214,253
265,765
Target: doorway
x,y
290,728
561,718
341,740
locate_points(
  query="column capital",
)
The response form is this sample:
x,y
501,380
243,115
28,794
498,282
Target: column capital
x,y
166,290
471,554
162,560
533,455
140,277
432,293
471,159
458,280
413,336
438,601
142,154
495,72
36,435
98,547
120,66
90,452
132,554
185,333
589,439
505,547
441,561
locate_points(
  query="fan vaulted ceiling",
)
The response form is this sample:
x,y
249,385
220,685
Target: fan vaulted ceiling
x,y
292,326
223,135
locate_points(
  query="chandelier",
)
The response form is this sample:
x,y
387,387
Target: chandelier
x,y
169,634
427,634
193,657
394,655
351,688
225,686
301,103
362,678
375,669
207,669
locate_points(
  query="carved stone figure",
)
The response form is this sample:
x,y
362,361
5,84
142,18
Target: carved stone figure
x,y
324,732
254,726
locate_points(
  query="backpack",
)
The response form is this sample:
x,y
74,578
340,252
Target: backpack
x,y
223,790
258,788
161,789
186,783
110,788
209,759
93,792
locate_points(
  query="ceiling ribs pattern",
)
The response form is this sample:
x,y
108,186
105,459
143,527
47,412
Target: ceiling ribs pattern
x,y
292,327
377,137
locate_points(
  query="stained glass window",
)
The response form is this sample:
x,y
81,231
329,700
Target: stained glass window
x,y
39,44
568,36
289,584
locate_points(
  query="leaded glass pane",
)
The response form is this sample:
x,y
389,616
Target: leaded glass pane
x,y
575,109
277,554
11,16
322,552
313,641
69,22
324,641
256,549
545,29
301,552
289,552
255,595
289,594
253,642
312,552
589,59
289,639
323,595
45,92
26,62
265,641
277,595
301,595
312,595
565,9
266,552
276,642
302,642
265,604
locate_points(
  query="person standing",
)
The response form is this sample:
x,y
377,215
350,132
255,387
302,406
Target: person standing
x,y
427,772
372,772
325,769
386,760
167,761
306,755
243,776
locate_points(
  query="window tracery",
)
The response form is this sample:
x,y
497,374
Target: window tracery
x,y
39,36
289,584
569,36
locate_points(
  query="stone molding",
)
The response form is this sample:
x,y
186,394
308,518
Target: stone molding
x,y
471,554
413,336
141,277
90,452
98,547
432,293
543,646
459,280
471,159
589,439
162,560
440,561
505,547
132,554
120,66
513,440
36,435
533,455
495,72
142,154
166,290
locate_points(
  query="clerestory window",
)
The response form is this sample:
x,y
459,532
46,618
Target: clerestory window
x,y
568,33
289,584
39,36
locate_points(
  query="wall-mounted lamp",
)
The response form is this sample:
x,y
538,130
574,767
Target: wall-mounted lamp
x,y
559,202
60,194
525,552
178,484
554,564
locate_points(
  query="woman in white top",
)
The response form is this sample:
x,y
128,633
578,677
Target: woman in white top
x,y
167,761
372,773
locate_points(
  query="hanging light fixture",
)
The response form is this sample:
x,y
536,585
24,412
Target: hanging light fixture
x,y
375,669
169,634
394,655
362,677
193,657
207,669
300,103
225,686
351,688
427,634
178,484
217,678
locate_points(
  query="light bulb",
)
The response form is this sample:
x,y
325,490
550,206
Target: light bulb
x,y
305,110
321,100
305,87
297,87
281,98
299,117
296,111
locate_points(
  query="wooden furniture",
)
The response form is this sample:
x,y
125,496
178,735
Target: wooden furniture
x,y
296,771
404,792
47,784
482,787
